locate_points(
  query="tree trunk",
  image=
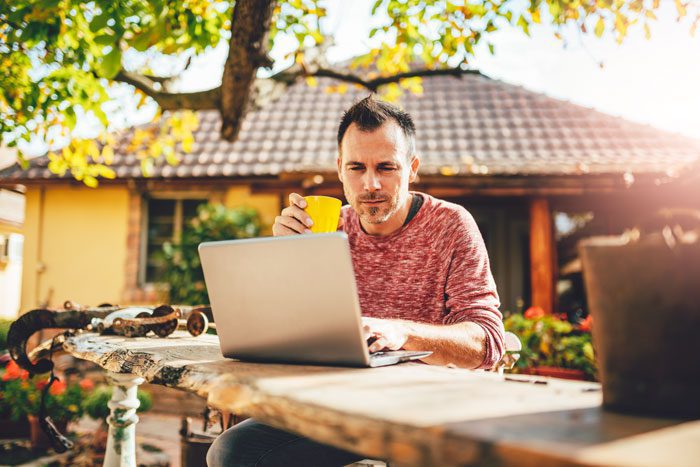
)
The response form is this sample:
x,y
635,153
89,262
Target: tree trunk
x,y
247,52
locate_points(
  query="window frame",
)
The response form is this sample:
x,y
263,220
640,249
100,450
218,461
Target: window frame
x,y
179,198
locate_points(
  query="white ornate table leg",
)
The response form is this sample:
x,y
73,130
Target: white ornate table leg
x,y
121,441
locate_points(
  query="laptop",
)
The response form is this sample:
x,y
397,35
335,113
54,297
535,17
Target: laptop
x,y
290,299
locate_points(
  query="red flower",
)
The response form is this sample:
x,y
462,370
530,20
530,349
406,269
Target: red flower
x,y
587,324
86,384
534,312
41,384
57,388
13,371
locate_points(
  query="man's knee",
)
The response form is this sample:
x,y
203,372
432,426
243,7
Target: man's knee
x,y
247,444
227,449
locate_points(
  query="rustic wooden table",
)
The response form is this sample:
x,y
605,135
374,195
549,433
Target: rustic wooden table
x,y
411,414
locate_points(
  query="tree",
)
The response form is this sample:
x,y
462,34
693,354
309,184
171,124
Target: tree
x,y
62,59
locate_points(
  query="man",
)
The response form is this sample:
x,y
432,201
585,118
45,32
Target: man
x,y
421,268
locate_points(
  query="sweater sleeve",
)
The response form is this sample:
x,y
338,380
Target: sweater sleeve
x,y
470,288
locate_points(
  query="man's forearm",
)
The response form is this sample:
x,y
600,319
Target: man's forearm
x,y
461,344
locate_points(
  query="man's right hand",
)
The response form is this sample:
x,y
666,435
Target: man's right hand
x,y
293,219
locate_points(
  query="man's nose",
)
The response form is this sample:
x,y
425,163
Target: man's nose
x,y
372,182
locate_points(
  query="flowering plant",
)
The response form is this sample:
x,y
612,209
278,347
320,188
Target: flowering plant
x,y
22,394
550,340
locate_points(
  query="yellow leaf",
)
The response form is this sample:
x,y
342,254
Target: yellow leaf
x,y
90,181
647,31
106,172
536,16
342,88
155,150
681,9
93,150
311,81
187,143
108,155
147,167
392,92
599,27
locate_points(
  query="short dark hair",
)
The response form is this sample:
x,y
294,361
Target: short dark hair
x,y
371,113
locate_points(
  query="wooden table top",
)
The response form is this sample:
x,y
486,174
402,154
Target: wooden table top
x,y
411,414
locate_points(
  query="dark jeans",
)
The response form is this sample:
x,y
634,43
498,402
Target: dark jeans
x,y
251,443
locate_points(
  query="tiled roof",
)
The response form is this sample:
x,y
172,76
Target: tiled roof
x,y
466,125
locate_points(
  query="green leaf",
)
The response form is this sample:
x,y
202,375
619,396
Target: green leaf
x,y
111,63
99,22
522,22
105,39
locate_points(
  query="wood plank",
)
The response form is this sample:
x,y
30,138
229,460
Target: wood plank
x,y
542,254
412,414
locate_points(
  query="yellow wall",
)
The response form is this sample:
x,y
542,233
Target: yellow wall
x,y
268,205
75,245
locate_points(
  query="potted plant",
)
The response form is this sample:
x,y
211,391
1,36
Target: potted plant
x,y
9,428
23,393
552,346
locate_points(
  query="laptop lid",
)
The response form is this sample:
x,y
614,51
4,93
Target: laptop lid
x,y
285,299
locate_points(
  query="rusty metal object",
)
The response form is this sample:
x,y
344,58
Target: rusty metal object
x,y
162,321
197,323
106,318
36,320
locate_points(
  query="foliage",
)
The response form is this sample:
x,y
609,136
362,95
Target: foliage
x,y
63,60
183,268
21,393
95,404
549,340
4,329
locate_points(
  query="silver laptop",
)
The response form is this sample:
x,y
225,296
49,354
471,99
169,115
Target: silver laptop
x,y
289,299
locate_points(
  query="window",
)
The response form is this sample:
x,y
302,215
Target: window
x,y
165,219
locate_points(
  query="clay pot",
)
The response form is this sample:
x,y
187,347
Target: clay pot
x,y
556,372
10,429
39,440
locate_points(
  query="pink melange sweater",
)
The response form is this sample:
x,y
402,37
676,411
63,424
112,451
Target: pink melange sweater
x,y
434,270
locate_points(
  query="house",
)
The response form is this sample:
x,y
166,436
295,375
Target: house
x,y
11,239
530,168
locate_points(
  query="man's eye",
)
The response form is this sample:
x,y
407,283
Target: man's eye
x,y
355,169
387,169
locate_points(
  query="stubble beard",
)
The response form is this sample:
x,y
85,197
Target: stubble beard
x,y
374,214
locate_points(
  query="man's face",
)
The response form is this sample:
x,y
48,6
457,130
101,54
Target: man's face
x,y
375,171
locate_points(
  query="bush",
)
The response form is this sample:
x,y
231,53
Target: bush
x,y
95,405
4,329
21,394
549,340
183,269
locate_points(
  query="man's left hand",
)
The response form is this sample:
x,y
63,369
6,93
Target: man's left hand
x,y
389,334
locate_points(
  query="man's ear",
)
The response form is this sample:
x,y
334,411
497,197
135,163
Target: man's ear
x,y
415,163
339,161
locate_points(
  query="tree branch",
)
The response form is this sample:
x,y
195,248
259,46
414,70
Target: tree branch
x,y
289,75
201,100
247,52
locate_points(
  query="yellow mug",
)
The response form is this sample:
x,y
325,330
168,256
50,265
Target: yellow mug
x,y
324,211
